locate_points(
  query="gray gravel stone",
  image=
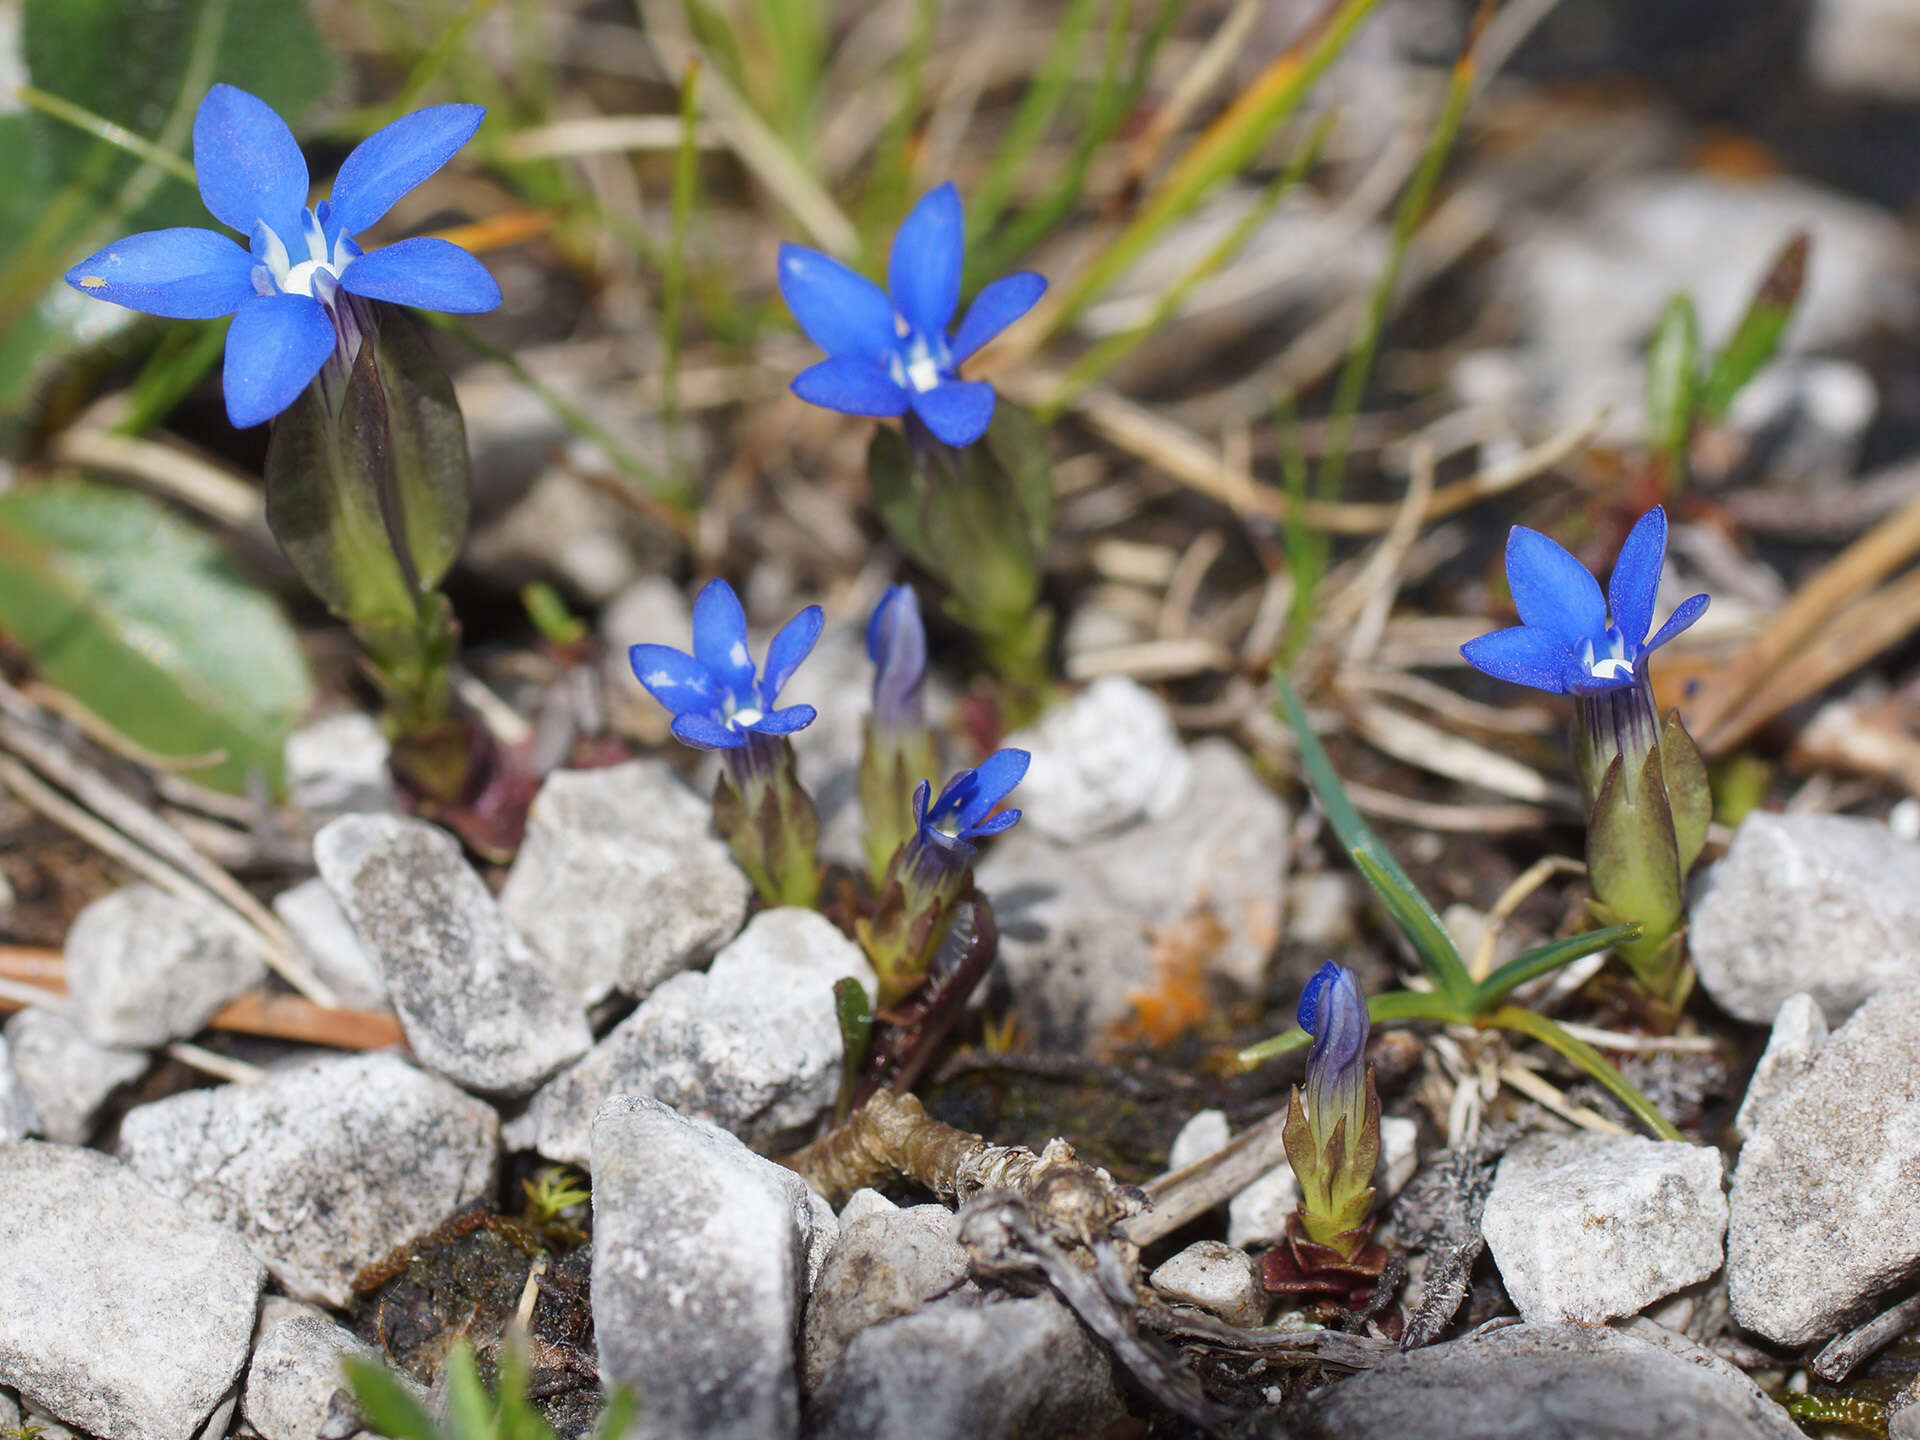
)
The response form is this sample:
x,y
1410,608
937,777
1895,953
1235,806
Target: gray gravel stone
x,y
339,764
327,939
1216,1278
1399,1154
882,1266
751,1044
864,1202
1799,1030
1588,1227
699,1264
955,1370
1903,1423
1543,1382
1258,1214
621,882
1102,761
1826,904
145,967
1205,1132
296,1389
18,1118
474,1002
9,1411
121,1313
66,1076
1086,929
1823,1221
323,1167
651,610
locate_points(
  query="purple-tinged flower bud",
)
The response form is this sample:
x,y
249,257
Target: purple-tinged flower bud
x,y
1332,1133
897,645
1334,1012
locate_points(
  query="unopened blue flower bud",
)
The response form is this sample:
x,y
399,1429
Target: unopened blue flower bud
x,y
897,645
1332,1134
899,746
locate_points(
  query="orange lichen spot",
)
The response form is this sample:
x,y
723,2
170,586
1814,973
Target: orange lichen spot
x,y
1179,1000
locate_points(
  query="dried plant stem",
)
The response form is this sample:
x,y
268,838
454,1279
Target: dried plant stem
x,y
892,1135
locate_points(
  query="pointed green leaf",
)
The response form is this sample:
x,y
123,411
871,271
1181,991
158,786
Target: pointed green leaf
x,y
1671,377
427,447
1526,1022
139,617
384,1403
1409,908
623,1408
1545,959
470,1411
1631,856
1756,339
1689,792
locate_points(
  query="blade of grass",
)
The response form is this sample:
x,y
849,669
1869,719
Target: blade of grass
x,y
102,128
1539,1027
1112,102
1410,909
796,38
1041,102
1396,1007
178,363
1115,348
673,279
1546,959
1225,148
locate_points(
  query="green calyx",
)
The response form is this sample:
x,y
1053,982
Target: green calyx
x,y
1336,1177
772,828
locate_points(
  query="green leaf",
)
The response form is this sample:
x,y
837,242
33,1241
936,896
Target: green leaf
x,y
1689,793
470,1414
427,448
1672,359
623,1408
1526,1022
1545,959
855,1012
1409,908
1631,855
1756,339
138,617
384,1403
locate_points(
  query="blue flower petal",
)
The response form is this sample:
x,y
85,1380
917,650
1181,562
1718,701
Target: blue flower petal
x,y
785,722
1340,1039
1523,655
186,274
992,825
1551,589
844,313
674,678
1636,577
786,650
922,793
394,159
1310,997
992,780
720,638
958,412
995,308
853,387
923,269
1684,614
429,273
700,730
276,345
248,164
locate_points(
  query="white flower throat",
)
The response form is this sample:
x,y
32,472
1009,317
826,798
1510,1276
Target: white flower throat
x,y
917,366
278,272
1613,665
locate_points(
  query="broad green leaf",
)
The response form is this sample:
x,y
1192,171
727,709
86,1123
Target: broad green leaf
x,y
1672,359
1409,908
1756,339
137,616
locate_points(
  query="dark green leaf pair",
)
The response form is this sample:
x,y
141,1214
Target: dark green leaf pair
x,y
390,1409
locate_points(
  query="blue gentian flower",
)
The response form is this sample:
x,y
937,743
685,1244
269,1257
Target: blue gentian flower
x,y
888,353
716,701
897,645
285,294
1568,643
963,813
1334,1012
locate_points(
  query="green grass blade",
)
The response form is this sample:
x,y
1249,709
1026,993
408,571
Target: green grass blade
x,y
1757,336
1545,960
1409,908
103,129
1038,106
673,279
1583,1055
1396,1007
1226,148
1115,348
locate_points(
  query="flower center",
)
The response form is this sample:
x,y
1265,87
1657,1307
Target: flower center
x,y
276,269
919,364
746,717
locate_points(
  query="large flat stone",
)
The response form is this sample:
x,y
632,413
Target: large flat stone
x,y
323,1168
121,1313
475,1004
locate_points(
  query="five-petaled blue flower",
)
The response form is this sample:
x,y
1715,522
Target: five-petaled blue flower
x,y
1568,643
897,645
1334,1012
284,295
715,699
888,354
964,811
